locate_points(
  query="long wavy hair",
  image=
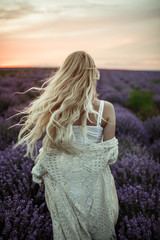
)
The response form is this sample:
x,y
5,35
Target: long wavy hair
x,y
69,93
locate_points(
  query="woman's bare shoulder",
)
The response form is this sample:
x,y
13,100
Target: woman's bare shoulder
x,y
107,103
109,111
108,107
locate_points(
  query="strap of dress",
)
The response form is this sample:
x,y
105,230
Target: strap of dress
x,y
100,112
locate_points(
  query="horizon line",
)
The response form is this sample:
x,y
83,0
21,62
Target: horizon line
x,y
55,67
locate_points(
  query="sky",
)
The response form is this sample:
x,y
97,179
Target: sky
x,y
118,34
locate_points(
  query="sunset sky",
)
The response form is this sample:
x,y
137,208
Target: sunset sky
x,y
118,34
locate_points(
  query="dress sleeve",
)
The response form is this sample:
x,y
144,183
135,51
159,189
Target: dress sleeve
x,y
38,171
113,150
113,156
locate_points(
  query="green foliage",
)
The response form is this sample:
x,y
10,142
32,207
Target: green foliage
x,y
156,81
141,102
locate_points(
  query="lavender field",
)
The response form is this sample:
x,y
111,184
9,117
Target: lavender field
x,y
136,98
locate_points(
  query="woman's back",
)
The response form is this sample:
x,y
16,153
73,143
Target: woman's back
x,y
97,130
94,132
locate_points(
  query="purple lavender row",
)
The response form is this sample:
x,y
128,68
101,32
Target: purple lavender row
x,y
23,212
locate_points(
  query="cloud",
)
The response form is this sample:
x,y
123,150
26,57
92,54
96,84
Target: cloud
x,y
152,13
75,18
19,10
107,10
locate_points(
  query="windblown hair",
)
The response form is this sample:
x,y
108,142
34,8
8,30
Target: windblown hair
x,y
68,95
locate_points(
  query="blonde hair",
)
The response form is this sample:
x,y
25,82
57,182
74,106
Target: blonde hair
x,y
68,95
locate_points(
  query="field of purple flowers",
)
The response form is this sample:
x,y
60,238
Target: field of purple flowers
x,y
136,98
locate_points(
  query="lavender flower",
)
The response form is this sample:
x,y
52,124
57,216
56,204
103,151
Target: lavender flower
x,y
23,211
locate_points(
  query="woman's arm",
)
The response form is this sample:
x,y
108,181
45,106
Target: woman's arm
x,y
109,115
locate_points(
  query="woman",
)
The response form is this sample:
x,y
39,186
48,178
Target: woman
x,y
79,144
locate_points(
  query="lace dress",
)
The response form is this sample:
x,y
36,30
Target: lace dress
x,y
80,191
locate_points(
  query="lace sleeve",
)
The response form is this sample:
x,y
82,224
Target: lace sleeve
x,y
113,155
37,172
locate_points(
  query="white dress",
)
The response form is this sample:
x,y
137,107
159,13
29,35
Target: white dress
x,y
80,191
